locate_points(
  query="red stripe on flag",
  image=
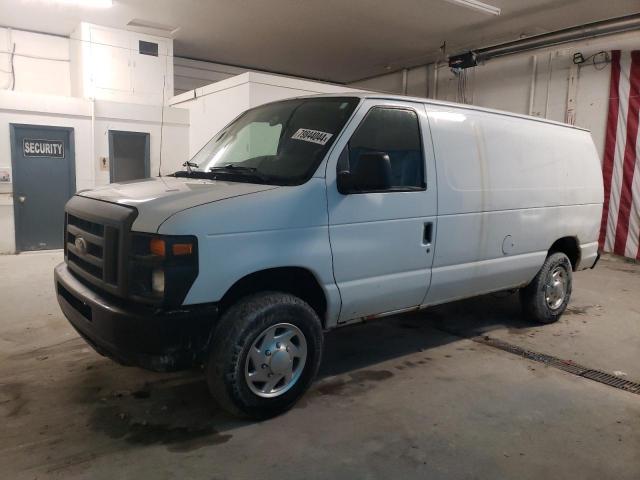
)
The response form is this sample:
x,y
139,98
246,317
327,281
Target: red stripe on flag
x,y
622,229
610,141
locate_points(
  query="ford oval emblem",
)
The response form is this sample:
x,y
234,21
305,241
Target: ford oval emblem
x,y
81,245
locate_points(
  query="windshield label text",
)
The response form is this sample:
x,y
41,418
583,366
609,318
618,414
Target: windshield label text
x,y
313,136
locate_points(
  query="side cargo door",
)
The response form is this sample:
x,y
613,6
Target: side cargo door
x,y
382,233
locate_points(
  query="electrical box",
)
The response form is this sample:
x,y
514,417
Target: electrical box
x,y
462,61
121,66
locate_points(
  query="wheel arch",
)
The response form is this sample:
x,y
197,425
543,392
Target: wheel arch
x,y
298,281
570,247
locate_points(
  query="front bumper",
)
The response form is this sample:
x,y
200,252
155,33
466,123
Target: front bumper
x,y
135,334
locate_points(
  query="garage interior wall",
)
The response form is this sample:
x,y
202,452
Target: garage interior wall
x,y
535,82
41,95
49,110
212,95
518,83
41,62
191,74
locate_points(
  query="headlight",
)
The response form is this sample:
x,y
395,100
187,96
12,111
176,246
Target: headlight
x,y
162,267
157,280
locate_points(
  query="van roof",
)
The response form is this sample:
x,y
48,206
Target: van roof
x,y
429,101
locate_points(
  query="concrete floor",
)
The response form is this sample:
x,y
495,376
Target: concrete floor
x,y
397,398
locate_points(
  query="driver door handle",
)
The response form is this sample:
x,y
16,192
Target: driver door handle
x,y
427,236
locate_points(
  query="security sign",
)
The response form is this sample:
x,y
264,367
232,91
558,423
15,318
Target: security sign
x,y
42,148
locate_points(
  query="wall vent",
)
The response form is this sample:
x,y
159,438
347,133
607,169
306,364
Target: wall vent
x,y
148,48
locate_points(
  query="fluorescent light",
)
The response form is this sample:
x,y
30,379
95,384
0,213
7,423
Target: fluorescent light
x,y
85,3
476,5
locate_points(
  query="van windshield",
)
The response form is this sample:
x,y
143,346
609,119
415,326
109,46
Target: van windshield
x,y
279,143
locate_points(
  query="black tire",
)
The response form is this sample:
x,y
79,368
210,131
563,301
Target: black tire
x,y
533,297
239,327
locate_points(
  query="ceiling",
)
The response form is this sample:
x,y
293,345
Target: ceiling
x,y
333,40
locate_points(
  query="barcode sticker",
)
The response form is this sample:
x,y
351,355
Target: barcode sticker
x,y
314,136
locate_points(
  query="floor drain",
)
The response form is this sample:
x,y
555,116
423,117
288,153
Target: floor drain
x,y
565,365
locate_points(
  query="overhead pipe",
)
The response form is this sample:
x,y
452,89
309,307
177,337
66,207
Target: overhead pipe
x,y
405,80
532,87
549,72
435,80
590,30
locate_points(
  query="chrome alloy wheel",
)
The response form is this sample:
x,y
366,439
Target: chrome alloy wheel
x,y
555,288
275,360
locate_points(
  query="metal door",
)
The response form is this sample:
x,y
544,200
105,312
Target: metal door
x,y
43,161
128,155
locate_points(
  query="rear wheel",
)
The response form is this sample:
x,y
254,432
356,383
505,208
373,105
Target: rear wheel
x,y
265,353
547,296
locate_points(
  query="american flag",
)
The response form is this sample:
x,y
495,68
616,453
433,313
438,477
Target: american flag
x,y
620,226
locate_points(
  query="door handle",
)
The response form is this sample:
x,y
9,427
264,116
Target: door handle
x,y
21,198
427,236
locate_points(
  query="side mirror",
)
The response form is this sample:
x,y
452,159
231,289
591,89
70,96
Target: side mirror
x,y
345,182
371,173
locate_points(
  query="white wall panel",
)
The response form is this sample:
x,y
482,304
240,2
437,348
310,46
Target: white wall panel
x,y
41,62
389,83
191,74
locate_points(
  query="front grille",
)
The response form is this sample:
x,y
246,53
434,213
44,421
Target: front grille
x,y
89,227
95,242
94,270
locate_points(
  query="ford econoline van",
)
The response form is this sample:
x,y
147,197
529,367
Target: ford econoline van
x,y
307,214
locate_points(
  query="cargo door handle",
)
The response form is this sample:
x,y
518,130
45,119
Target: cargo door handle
x,y
427,236
22,198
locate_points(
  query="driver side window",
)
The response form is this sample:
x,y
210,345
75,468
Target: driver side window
x,y
392,133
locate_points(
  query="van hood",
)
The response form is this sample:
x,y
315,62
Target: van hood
x,y
158,198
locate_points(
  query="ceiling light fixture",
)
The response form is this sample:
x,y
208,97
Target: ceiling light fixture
x,y
478,6
86,3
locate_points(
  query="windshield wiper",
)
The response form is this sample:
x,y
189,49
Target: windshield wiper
x,y
232,169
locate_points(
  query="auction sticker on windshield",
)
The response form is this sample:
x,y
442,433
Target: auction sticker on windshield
x,y
314,136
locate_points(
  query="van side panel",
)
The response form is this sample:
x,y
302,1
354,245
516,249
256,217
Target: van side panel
x,y
489,162
508,188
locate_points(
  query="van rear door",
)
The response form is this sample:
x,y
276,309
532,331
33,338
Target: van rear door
x,y
382,233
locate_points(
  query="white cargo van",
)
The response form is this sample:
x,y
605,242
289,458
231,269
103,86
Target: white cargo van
x,y
307,214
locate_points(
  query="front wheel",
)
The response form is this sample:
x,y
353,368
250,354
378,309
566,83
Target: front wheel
x,y
265,353
547,296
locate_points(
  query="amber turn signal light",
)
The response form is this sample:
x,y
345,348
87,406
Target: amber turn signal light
x,y
158,247
182,249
